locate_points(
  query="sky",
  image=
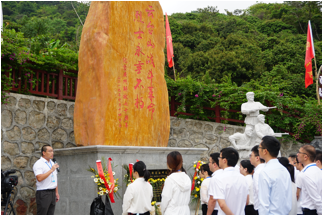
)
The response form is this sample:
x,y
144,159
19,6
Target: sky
x,y
179,6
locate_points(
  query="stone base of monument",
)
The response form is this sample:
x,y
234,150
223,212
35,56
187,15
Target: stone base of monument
x,y
76,187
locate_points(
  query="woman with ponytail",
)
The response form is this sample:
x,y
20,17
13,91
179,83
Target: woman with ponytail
x,y
177,188
138,196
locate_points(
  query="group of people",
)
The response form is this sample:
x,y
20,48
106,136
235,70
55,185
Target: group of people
x,y
264,184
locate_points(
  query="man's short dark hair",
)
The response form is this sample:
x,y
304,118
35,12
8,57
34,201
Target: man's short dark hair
x,y
310,152
231,155
271,144
215,157
256,153
44,148
293,156
318,155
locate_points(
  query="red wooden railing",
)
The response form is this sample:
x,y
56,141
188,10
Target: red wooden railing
x,y
54,85
60,86
217,110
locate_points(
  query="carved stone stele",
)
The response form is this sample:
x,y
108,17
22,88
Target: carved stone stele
x,y
122,97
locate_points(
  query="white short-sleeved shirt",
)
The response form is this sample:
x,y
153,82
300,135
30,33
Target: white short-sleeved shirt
x,y
42,166
138,196
258,169
204,194
211,189
232,187
298,185
250,185
310,182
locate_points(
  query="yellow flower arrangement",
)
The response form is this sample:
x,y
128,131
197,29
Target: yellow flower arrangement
x,y
197,180
102,190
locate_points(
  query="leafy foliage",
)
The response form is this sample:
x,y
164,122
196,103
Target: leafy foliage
x,y
218,57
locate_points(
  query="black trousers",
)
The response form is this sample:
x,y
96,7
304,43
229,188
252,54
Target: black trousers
x,y
249,210
307,211
146,213
204,209
46,201
215,212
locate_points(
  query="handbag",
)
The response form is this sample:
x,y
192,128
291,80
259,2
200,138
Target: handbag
x,y
99,208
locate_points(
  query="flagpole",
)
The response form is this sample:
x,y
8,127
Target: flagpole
x,y
317,83
174,69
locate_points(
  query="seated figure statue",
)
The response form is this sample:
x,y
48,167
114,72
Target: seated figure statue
x,y
262,129
242,141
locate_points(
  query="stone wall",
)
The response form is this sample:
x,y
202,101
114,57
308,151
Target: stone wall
x,y
29,122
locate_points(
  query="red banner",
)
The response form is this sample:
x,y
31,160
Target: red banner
x,y
111,195
101,174
193,181
170,53
130,171
309,56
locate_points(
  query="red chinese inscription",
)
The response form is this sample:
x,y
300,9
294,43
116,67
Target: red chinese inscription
x,y
151,93
150,76
150,28
149,43
150,11
139,32
139,102
138,50
139,15
150,60
151,109
138,83
139,67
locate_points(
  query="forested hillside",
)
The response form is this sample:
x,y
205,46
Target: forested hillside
x,y
218,57
265,42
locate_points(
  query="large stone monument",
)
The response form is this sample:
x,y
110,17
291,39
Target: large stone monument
x,y
122,97
121,108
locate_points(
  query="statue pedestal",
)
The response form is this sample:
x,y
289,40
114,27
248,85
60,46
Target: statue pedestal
x,y
76,187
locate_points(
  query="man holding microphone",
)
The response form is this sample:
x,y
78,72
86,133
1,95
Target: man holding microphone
x,y
46,182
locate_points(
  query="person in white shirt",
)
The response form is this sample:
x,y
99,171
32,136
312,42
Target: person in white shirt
x,y
246,169
318,159
292,160
290,168
258,163
176,193
275,188
310,181
230,188
205,173
138,196
46,182
213,206
298,180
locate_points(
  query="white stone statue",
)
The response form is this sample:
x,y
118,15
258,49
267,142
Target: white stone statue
x,y
251,109
262,129
242,141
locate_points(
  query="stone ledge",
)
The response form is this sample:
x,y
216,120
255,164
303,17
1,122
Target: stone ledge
x,y
125,150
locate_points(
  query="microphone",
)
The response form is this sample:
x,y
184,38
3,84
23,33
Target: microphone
x,y
54,160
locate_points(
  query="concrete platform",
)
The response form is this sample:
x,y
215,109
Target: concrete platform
x,y
76,187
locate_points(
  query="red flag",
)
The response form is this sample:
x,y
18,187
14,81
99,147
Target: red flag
x,y
170,52
309,56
